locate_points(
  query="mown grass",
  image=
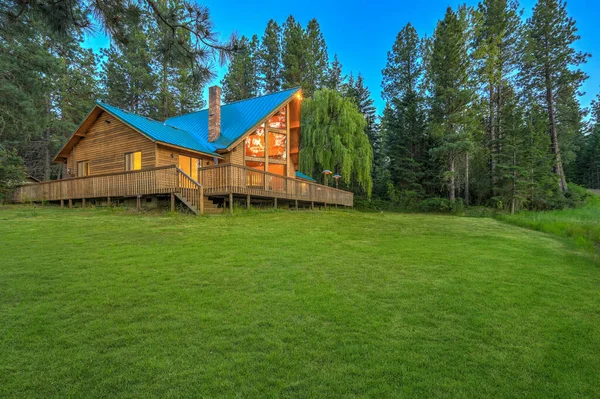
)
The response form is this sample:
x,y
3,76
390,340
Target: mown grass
x,y
97,303
580,225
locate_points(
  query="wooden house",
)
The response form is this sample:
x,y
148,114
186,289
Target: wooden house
x,y
245,151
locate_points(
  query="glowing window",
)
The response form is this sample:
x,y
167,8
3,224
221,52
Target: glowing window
x,y
255,143
133,160
277,146
278,121
278,169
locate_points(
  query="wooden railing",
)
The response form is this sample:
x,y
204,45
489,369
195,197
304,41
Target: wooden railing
x,y
237,179
212,180
161,180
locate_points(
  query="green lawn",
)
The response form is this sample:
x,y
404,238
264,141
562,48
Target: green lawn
x,y
581,225
100,303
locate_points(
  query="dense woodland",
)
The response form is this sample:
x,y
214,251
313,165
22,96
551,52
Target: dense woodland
x,y
484,110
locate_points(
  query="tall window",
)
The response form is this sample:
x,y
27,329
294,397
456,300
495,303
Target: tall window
x,y
278,121
83,168
133,160
255,143
277,146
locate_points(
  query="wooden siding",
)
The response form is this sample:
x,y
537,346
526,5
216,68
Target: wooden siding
x,y
164,158
105,145
236,155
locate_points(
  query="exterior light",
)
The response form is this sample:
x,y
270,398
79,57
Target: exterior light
x,y
337,180
326,173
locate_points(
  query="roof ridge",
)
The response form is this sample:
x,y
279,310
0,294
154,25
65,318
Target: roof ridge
x,y
237,101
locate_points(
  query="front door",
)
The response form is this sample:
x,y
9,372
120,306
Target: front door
x,y
189,165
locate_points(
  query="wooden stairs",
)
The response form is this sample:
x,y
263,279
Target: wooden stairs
x,y
190,193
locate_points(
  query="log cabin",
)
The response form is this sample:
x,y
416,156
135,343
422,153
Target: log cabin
x,y
245,152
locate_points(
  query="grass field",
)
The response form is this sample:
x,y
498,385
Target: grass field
x,y
99,303
581,225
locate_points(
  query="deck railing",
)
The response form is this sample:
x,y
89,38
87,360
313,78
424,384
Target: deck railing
x,y
213,180
161,180
237,179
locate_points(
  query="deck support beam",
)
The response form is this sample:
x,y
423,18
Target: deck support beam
x,y
312,205
248,201
231,203
62,203
138,202
70,203
296,204
83,202
172,202
201,200
108,201
275,203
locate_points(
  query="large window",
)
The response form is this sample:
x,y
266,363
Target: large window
x,y
133,161
277,146
278,121
83,168
189,165
255,143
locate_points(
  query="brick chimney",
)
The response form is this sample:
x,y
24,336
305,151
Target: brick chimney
x,y
214,113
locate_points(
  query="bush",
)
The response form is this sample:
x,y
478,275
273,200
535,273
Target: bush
x,y
441,205
576,196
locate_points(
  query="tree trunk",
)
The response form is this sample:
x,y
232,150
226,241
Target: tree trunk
x,y
452,181
492,140
467,197
558,167
165,91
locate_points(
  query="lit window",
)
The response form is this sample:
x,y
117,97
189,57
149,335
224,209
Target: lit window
x,y
133,161
278,169
278,121
83,168
189,165
277,146
255,143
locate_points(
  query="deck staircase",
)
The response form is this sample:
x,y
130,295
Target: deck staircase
x,y
190,193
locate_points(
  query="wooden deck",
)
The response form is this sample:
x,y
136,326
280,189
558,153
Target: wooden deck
x,y
226,181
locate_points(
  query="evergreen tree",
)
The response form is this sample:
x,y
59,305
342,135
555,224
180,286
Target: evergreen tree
x,y
550,66
241,80
451,94
293,55
335,78
405,129
316,58
270,58
333,138
497,31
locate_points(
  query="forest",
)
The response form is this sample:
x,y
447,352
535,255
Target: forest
x,y
484,110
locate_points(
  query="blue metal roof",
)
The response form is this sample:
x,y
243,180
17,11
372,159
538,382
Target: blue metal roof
x,y
237,118
301,175
159,131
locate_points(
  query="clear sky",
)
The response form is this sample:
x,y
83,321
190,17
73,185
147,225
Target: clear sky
x,y
362,32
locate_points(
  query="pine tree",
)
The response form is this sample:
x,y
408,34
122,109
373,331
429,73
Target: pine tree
x,y
451,94
293,55
497,31
405,129
316,58
335,78
550,64
270,58
241,80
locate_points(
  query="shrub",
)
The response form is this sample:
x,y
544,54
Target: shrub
x,y
12,173
441,205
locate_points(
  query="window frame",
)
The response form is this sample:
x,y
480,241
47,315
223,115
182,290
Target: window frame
x,y
84,163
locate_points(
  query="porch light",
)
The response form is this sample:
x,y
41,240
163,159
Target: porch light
x,y
326,173
337,180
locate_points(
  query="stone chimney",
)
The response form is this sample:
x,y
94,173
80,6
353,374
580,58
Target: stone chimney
x,y
214,113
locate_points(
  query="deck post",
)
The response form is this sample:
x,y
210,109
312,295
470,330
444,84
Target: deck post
x,y
296,204
70,203
172,202
275,203
108,201
83,202
201,200
138,202
312,205
231,203
248,201
62,203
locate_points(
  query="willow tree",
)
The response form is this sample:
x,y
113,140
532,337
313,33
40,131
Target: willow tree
x,y
333,138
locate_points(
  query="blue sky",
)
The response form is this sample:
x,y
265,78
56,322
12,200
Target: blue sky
x,y
362,32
